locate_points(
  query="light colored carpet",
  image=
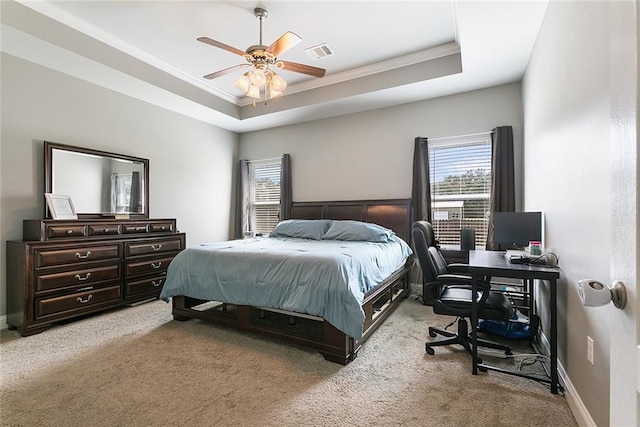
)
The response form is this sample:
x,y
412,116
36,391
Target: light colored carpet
x,y
138,367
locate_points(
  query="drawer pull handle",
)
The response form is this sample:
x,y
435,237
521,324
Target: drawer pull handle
x,y
156,247
105,230
84,301
81,279
69,232
140,228
156,265
83,256
162,228
159,283
86,288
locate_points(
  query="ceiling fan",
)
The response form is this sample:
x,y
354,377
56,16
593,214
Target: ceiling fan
x,y
261,58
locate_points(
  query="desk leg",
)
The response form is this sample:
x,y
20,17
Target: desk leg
x,y
554,337
474,324
534,320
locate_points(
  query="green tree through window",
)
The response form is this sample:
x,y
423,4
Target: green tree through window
x,y
460,188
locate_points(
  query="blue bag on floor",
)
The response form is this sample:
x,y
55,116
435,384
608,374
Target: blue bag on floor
x,y
518,329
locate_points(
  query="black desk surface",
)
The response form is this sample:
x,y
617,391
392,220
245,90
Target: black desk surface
x,y
496,264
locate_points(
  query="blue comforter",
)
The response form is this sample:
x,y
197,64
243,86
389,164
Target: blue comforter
x,y
326,278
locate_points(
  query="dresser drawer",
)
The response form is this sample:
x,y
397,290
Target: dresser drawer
x,y
152,247
70,268
79,301
78,254
144,286
65,231
103,229
161,227
156,265
135,227
80,277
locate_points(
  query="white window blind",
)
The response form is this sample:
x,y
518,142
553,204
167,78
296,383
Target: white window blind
x,y
265,194
460,174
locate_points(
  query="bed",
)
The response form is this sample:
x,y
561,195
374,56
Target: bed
x,y
342,290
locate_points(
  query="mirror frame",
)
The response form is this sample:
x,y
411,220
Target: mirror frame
x,y
49,171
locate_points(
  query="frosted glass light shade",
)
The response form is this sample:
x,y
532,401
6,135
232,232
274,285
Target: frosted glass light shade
x,y
273,93
258,77
254,92
277,83
243,82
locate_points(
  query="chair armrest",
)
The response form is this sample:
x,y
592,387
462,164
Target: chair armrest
x,y
460,279
451,278
458,268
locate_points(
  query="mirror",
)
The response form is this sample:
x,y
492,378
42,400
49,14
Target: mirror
x,y
99,183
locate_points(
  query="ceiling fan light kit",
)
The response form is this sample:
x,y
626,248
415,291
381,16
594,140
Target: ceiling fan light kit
x,y
262,79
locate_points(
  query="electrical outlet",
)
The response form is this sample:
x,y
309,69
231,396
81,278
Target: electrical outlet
x,y
590,349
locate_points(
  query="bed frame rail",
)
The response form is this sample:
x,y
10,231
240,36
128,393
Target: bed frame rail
x,y
304,330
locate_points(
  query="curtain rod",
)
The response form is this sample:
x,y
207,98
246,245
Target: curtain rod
x,y
442,138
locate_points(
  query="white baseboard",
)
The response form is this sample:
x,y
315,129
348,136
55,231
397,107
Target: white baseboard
x,y
3,322
578,409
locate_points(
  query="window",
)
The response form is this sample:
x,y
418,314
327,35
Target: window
x,y
460,175
121,192
265,194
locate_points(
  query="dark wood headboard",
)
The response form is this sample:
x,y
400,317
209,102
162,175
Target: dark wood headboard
x,y
394,214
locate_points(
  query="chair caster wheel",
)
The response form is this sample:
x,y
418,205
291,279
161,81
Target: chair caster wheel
x,y
508,353
429,350
482,369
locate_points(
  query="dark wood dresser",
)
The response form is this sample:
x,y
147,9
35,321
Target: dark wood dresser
x,y
67,268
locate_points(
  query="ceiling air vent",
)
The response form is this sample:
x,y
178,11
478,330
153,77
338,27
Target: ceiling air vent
x,y
320,51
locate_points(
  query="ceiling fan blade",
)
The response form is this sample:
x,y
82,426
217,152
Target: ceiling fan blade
x,y
225,71
221,45
284,43
304,69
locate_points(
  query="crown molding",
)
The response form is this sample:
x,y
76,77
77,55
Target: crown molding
x,y
418,57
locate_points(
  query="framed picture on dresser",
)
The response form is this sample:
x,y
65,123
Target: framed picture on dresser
x,y
60,206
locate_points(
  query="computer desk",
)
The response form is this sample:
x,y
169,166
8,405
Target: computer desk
x,y
494,263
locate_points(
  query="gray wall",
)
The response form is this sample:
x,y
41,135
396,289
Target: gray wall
x,y
568,176
191,162
369,155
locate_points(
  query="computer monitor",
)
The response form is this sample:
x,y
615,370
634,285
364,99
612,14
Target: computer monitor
x,y
517,229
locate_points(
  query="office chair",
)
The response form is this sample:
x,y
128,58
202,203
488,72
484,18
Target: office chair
x,y
451,294
427,274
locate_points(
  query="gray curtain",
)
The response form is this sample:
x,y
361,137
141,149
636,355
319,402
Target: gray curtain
x,y
243,195
421,191
503,198
420,195
134,198
285,188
